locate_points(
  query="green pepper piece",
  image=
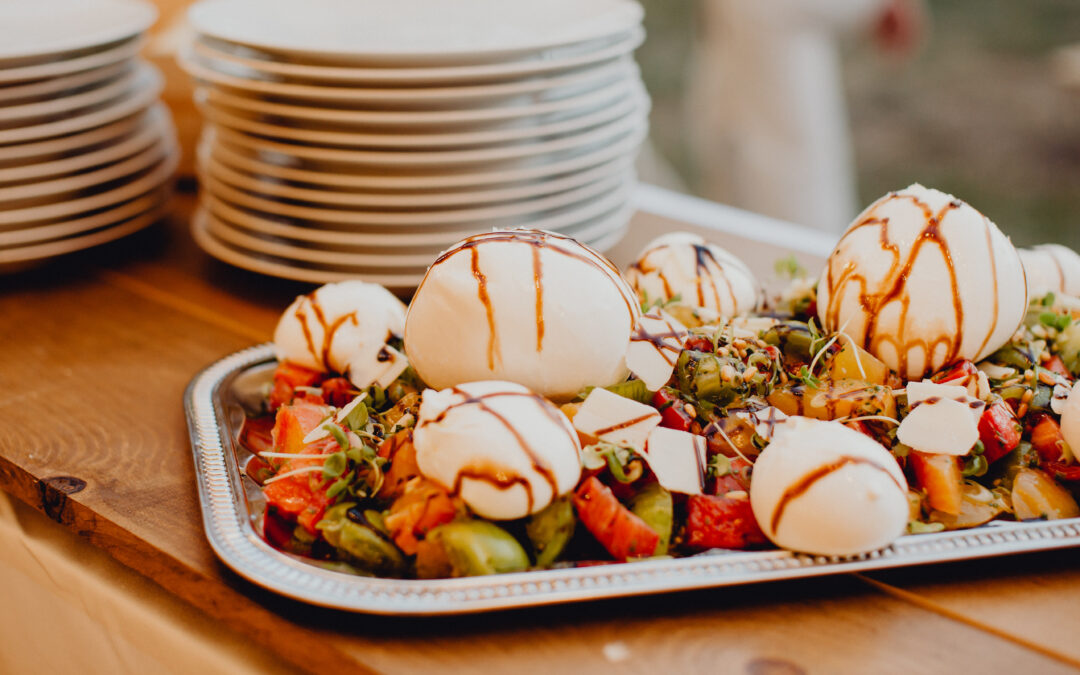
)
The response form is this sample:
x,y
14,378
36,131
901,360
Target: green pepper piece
x,y
478,547
550,530
1067,346
654,505
1012,356
361,544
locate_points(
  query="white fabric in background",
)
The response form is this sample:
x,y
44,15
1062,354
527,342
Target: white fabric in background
x,y
767,116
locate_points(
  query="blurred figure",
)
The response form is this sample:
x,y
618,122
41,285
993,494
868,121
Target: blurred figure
x,y
768,121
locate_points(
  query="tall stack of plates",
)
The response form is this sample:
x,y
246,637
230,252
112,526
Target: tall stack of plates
x,y
358,138
86,151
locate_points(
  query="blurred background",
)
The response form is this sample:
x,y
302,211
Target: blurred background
x,y
981,110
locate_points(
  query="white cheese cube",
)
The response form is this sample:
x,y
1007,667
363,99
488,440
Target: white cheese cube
x,y
941,426
654,348
616,419
678,460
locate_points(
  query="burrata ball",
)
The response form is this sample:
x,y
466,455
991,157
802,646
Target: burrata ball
x,y
699,274
504,450
921,279
344,328
1051,268
527,306
822,488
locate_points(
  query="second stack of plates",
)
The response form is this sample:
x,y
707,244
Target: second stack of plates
x,y
351,138
86,151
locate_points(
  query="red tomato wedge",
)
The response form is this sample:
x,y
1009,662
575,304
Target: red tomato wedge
x,y
1047,440
294,422
622,533
423,507
724,521
940,476
999,431
287,377
672,412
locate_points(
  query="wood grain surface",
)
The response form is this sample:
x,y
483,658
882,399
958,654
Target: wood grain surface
x,y
99,346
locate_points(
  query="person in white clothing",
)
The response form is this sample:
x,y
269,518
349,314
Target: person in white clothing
x,y
768,122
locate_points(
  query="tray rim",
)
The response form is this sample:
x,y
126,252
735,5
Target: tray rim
x,y
231,535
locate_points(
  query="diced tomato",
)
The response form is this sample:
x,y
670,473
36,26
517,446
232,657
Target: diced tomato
x,y
940,476
1056,365
338,391
401,452
294,422
672,409
738,479
618,529
1062,471
425,506
725,521
256,434
276,529
287,377
959,373
290,496
699,344
999,431
1047,440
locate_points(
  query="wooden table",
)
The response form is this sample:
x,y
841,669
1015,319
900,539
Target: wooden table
x,y
99,346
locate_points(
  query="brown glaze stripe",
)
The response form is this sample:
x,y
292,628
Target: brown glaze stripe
x,y
808,481
485,299
627,424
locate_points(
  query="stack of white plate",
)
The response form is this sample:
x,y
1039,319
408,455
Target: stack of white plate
x,y
86,151
358,138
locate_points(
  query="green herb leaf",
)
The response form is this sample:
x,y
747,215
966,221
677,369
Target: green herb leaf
x,y
338,435
357,417
808,378
719,465
334,465
789,268
337,487
1056,321
1048,300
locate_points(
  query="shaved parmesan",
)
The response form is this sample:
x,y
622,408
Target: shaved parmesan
x,y
615,419
942,426
677,458
654,348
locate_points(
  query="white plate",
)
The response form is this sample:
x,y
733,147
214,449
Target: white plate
x,y
57,86
75,64
419,219
67,227
142,95
35,28
157,176
506,116
244,57
155,126
221,169
160,147
311,172
426,218
62,246
540,88
435,159
307,134
614,225
65,105
17,156
342,252
411,31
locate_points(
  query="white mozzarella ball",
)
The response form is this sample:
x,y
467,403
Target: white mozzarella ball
x,y
505,450
1051,268
921,279
699,273
342,328
825,489
531,307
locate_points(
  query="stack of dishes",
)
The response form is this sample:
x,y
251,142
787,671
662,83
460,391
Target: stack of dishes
x,y
86,151
359,138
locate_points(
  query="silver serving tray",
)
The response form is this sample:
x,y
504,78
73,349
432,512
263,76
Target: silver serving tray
x,y
232,506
